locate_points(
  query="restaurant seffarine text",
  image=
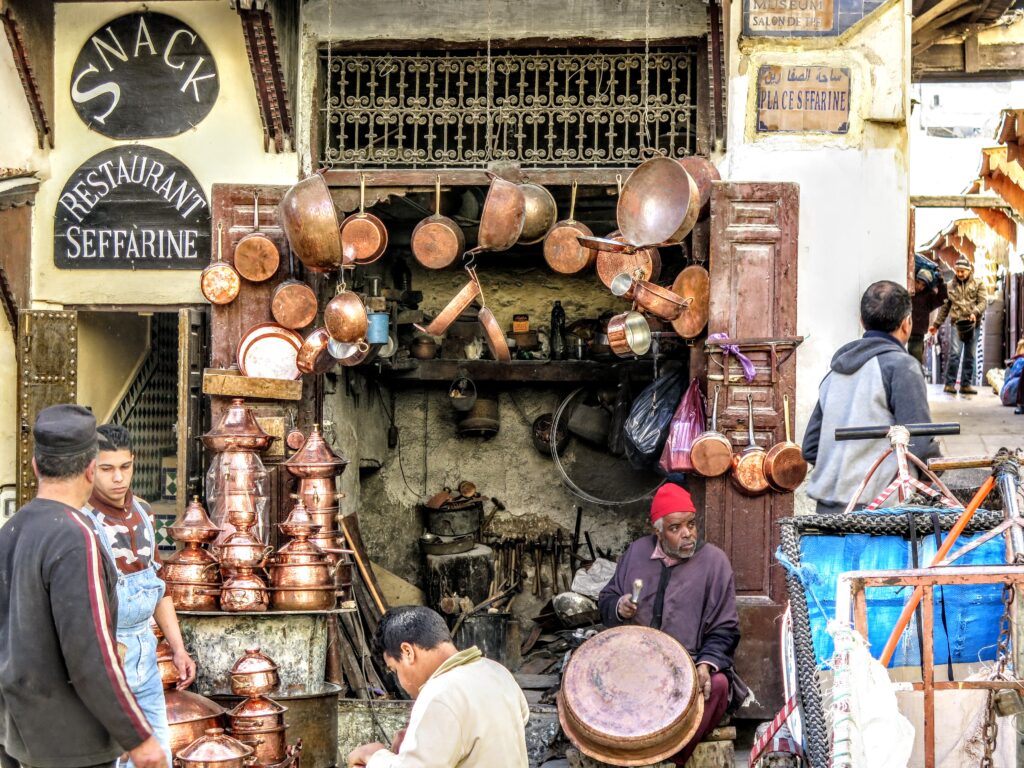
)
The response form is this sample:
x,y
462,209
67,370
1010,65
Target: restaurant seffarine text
x,y
133,244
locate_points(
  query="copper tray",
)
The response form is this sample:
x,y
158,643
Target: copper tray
x,y
269,351
692,283
624,713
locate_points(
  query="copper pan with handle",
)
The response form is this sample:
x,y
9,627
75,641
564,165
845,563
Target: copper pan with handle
x,y
784,465
503,216
364,238
459,303
345,316
437,241
310,222
748,464
256,256
493,334
562,249
220,282
711,452
293,303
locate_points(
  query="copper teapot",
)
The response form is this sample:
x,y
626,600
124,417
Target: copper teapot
x,y
242,548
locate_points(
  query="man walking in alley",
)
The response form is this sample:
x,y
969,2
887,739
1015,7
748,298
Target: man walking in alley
x,y
872,381
964,306
929,294
64,700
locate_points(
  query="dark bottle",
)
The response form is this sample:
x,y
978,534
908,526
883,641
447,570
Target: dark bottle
x,y
557,332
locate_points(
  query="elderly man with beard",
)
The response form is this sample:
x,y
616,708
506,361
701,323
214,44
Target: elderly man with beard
x,y
688,593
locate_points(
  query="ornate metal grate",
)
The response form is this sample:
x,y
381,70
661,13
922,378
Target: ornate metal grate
x,y
540,109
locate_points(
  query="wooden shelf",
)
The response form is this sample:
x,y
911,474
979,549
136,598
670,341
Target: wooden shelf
x,y
520,371
230,383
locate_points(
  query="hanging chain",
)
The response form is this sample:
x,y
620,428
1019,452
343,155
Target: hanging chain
x,y
325,159
644,78
990,730
489,85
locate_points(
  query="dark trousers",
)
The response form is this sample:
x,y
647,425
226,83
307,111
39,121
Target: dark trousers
x,y
714,708
953,364
915,346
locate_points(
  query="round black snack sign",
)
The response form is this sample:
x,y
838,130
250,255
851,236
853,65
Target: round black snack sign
x,y
132,207
142,76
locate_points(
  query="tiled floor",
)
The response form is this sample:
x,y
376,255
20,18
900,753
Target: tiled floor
x,y
985,424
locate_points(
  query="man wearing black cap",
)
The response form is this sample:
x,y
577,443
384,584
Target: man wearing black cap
x,y
64,701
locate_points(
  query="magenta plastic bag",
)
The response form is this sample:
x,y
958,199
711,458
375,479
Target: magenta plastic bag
x,y
687,424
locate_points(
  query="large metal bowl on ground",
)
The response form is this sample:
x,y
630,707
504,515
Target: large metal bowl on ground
x,y
624,713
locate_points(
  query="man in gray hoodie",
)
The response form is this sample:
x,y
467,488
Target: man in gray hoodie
x,y
872,381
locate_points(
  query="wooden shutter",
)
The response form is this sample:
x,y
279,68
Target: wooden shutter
x,y
753,269
47,375
189,426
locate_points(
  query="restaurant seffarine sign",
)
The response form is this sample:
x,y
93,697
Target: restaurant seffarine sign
x,y
132,207
803,99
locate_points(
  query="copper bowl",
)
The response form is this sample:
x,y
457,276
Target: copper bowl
x,y
316,458
659,203
197,596
189,716
314,357
502,217
244,592
255,674
624,713
310,222
629,334
237,431
306,598
215,749
345,317
660,302
540,213
301,575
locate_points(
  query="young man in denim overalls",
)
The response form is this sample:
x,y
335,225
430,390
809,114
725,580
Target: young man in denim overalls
x,y
126,531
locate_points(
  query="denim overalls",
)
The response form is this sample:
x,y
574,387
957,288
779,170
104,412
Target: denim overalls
x,y
137,596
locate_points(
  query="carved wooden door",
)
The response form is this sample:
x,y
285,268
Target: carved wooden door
x,y
753,269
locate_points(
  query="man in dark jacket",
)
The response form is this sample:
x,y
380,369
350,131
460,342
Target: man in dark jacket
x,y
929,294
64,701
872,381
964,306
689,593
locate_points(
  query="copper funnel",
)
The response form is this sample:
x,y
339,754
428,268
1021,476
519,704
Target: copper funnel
x,y
237,431
315,458
194,525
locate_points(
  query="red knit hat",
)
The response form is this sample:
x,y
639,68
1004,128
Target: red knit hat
x,y
671,498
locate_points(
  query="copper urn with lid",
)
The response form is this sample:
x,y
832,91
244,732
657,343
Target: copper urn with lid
x,y
216,750
255,674
316,458
194,526
259,723
237,430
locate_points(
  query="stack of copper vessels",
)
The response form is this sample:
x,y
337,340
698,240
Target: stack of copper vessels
x,y
241,555
192,577
259,721
304,577
237,478
189,715
317,466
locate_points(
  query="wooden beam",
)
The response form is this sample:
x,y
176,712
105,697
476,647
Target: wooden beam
x,y
972,54
936,29
933,13
947,58
957,201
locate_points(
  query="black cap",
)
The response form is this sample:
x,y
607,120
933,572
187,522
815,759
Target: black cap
x,y
65,430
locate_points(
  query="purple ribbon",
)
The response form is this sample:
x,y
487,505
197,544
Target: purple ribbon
x,y
731,349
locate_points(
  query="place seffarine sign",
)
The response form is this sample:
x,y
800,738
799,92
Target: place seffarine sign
x,y
803,99
132,207
143,76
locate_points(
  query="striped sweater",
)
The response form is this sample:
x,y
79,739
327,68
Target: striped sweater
x,y
64,701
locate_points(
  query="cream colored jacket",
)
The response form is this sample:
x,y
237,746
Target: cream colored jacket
x,y
469,714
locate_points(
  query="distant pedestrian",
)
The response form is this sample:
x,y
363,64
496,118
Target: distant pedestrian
x,y
872,381
964,306
929,294
64,699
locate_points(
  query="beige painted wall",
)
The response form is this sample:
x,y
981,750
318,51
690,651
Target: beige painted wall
x,y
8,405
111,348
227,146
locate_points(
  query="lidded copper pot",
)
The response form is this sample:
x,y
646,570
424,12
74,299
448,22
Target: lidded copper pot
x,y
254,674
237,430
316,458
193,564
259,722
216,750
244,591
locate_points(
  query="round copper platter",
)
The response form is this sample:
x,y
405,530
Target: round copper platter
x,y
624,713
692,283
269,351
611,264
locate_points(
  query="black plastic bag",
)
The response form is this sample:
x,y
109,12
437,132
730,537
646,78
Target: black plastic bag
x,y
647,427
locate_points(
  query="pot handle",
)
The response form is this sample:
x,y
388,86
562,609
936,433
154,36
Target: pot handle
x,y
208,592
244,724
334,551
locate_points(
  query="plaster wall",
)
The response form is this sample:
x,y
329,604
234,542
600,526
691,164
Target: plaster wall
x,y
226,146
111,348
20,147
853,188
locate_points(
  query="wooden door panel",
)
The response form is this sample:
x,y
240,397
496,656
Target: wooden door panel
x,y
753,297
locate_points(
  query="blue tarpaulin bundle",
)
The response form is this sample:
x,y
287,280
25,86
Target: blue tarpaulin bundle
x,y
972,611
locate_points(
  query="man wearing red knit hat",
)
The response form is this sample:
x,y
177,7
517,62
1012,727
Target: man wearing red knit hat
x,y
688,593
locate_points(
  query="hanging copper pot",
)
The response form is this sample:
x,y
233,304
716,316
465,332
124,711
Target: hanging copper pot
x,y
562,249
345,316
437,241
711,451
364,238
501,221
784,465
659,203
269,351
254,674
244,591
629,334
658,301
704,174
314,357
638,263
215,750
694,285
256,256
316,458
540,212
748,464
193,596
237,430
189,716
220,282
310,221
293,303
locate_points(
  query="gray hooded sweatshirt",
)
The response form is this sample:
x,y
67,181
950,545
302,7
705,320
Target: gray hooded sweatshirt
x,y
872,381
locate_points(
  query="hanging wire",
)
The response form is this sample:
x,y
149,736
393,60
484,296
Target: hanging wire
x,y
644,77
325,158
489,85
